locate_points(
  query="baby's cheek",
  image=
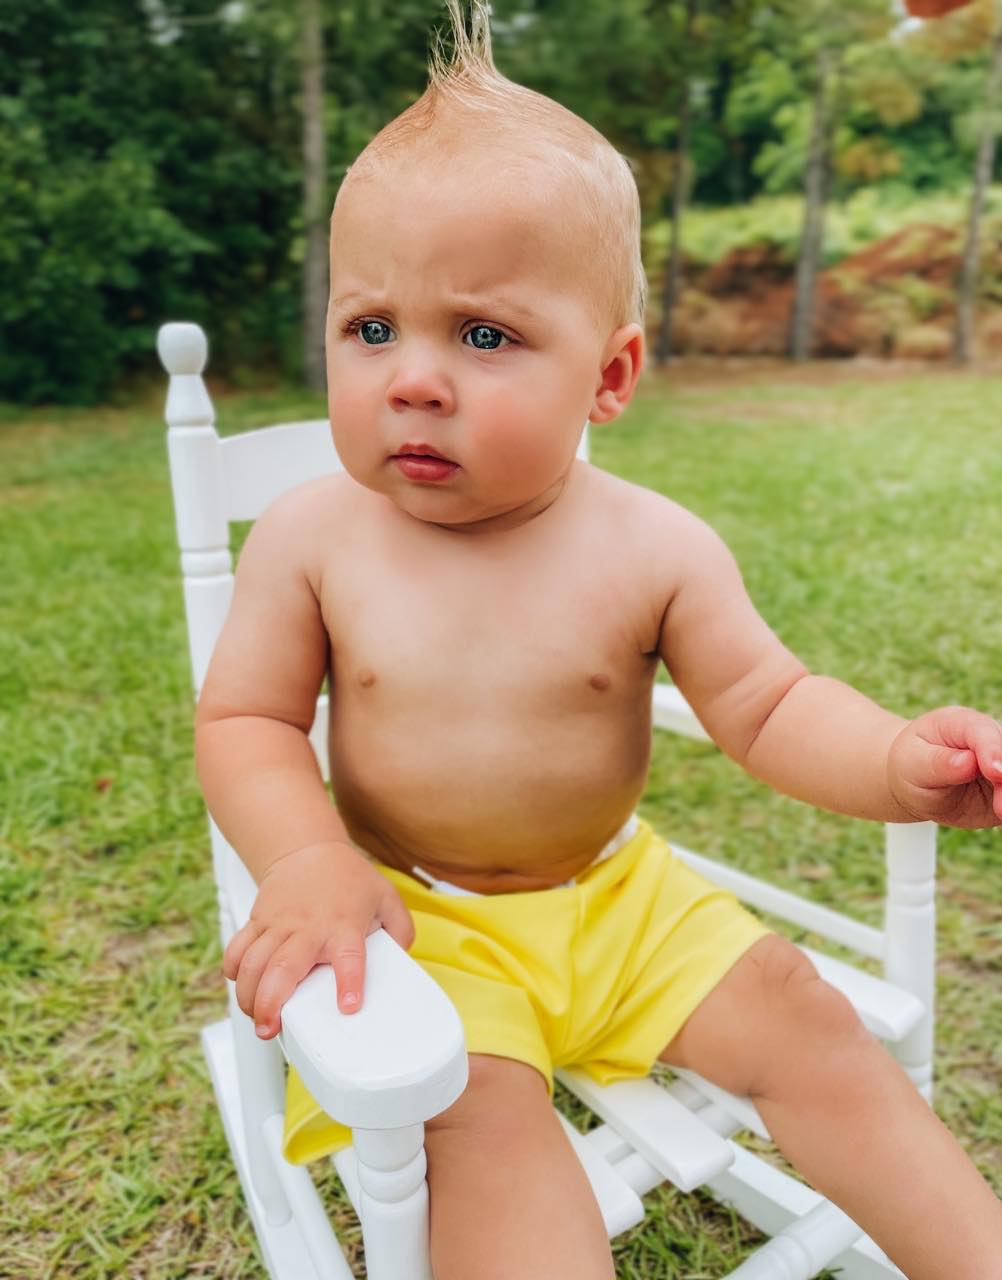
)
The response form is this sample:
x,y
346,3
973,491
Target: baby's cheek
x,y
351,417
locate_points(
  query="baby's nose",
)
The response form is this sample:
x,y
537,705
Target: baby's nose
x,y
420,388
414,402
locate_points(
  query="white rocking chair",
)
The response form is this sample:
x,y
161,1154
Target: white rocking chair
x,y
401,1060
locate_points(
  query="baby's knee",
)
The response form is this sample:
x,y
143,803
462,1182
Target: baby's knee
x,y
793,987
814,1027
500,1094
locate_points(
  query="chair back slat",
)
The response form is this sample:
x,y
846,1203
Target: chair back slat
x,y
259,466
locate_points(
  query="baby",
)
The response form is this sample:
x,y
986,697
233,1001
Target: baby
x,y
491,613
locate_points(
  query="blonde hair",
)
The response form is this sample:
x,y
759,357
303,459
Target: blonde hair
x,y
533,130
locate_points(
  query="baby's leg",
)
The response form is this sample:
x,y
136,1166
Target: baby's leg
x,y
844,1113
509,1198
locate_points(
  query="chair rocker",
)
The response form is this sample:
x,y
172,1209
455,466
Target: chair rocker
x,y
401,1060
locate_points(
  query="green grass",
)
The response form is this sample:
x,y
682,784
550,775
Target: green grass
x,y
864,510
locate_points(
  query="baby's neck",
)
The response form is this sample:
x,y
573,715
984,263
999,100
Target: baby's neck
x,y
507,521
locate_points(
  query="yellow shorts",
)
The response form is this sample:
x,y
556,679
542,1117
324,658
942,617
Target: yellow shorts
x,y
600,974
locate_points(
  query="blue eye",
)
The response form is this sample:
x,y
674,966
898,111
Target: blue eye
x,y
485,331
376,333
366,328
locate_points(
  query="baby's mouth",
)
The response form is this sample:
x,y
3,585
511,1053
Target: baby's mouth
x,y
423,450
424,466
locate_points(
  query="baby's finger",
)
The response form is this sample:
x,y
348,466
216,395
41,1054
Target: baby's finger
x,y
237,945
967,730
984,738
396,920
347,954
252,966
931,767
287,967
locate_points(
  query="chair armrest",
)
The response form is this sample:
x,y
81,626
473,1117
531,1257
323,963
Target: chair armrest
x,y
399,1060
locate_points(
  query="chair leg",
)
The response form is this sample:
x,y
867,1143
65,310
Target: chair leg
x,y
393,1202
262,1091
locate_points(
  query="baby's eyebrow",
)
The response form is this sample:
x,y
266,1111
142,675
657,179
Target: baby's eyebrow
x,y
458,304
493,302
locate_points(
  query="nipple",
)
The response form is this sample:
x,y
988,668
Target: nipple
x,y
599,681
366,677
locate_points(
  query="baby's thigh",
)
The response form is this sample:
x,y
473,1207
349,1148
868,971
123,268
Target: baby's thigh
x,y
771,1019
508,1196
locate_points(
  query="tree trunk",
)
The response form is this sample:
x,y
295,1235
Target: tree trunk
x,y
673,273
968,283
315,268
812,234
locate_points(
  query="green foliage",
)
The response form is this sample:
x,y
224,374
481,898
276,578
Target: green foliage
x,y
150,154
150,161
76,242
141,191
867,215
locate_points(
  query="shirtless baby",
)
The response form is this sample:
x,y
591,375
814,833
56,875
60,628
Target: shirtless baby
x,y
491,613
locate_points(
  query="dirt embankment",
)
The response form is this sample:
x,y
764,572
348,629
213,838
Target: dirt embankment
x,y
895,298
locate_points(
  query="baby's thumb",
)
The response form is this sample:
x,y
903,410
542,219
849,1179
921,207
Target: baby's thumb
x,y
937,766
396,920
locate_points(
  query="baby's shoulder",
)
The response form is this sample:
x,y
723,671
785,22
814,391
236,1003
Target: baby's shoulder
x,y
666,544
305,521
314,504
642,511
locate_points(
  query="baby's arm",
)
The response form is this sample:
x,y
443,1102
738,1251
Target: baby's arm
x,y
806,735
318,897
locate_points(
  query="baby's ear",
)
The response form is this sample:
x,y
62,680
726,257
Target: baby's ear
x,y
622,362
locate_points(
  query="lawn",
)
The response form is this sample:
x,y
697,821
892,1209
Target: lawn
x,y
863,507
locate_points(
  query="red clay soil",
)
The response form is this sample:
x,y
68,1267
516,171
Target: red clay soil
x,y
870,303
923,249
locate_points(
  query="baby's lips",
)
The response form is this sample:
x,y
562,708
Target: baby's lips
x,y
419,449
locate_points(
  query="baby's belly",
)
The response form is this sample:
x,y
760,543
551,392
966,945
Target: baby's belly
x,y
498,807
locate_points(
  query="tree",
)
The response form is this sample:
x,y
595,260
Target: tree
x,y
816,38
680,178
315,271
816,177
983,165
705,40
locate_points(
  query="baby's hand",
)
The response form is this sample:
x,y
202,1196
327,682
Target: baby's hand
x,y
314,906
946,767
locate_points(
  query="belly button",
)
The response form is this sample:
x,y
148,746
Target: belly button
x,y
366,677
599,681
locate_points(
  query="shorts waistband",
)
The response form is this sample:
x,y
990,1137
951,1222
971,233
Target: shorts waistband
x,y
625,833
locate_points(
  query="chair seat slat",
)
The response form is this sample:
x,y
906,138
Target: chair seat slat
x,y
665,1133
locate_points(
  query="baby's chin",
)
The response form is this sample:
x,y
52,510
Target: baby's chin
x,y
451,513
454,507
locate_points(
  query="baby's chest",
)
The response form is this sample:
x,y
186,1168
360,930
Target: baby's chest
x,y
534,639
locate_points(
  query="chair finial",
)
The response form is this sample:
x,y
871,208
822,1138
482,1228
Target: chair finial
x,y
182,348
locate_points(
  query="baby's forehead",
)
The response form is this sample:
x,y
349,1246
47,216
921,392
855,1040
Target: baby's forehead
x,y
445,177
490,194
